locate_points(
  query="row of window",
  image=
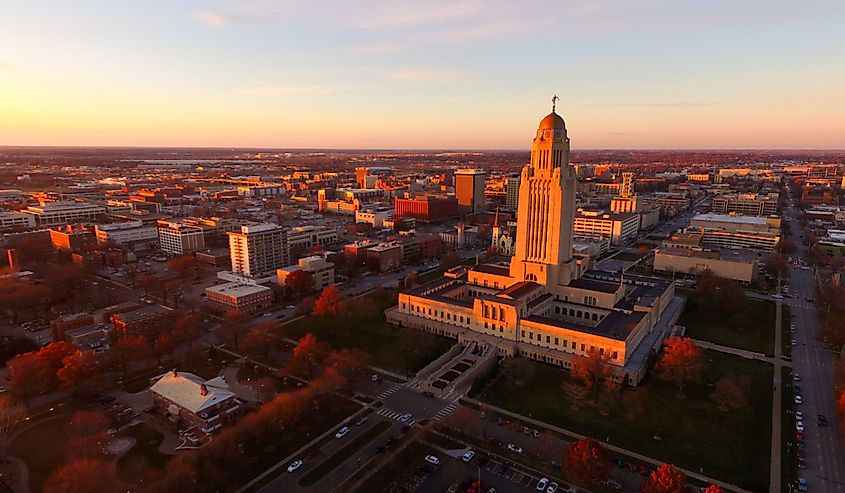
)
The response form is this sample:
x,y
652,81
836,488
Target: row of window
x,y
566,344
579,314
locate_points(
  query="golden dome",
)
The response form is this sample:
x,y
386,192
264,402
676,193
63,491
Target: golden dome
x,y
552,121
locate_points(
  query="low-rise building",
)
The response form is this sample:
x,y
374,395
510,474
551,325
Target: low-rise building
x,y
729,264
179,238
385,256
619,227
746,203
67,322
144,320
132,234
70,238
373,217
322,271
426,208
61,213
240,298
11,220
207,405
737,223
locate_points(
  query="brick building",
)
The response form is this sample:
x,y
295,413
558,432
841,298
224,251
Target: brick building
x,y
240,298
207,405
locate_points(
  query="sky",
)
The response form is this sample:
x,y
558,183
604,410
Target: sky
x,y
396,74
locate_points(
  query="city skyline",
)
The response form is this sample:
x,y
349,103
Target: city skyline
x,y
386,75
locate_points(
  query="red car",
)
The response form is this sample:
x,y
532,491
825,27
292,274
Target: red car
x,y
496,441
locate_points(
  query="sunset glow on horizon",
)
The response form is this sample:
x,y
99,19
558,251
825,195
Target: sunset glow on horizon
x,y
423,75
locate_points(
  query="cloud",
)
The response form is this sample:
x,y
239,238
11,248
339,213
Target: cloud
x,y
269,89
423,75
393,15
651,104
209,18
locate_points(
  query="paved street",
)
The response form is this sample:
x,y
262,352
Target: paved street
x,y
814,362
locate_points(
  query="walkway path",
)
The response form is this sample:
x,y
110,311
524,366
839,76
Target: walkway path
x,y
741,352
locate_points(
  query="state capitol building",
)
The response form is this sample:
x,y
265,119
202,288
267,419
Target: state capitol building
x,y
546,303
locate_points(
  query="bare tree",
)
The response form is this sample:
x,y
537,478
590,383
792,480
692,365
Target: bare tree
x,y
10,417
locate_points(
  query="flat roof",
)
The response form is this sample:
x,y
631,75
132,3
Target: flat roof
x,y
237,289
729,218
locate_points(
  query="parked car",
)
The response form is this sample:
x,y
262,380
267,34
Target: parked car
x,y
341,432
294,465
432,459
515,448
468,455
542,484
802,484
612,484
552,488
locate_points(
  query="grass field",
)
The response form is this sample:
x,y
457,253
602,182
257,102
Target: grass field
x,y
143,463
42,448
753,332
343,454
732,446
401,350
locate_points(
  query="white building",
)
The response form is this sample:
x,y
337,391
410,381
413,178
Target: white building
x,y
374,217
126,233
619,227
16,220
178,238
322,272
61,213
258,249
305,237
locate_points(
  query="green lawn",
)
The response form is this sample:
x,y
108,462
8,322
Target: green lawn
x,y
344,453
143,463
753,332
42,448
733,446
397,349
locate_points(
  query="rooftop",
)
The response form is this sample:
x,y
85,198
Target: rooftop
x,y
730,218
185,390
237,289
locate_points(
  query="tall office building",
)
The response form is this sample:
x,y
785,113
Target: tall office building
x,y
512,192
258,250
469,189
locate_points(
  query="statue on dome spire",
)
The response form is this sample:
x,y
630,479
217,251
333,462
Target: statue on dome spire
x,y
554,102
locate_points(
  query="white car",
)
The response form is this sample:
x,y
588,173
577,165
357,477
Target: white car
x,y
432,459
405,418
799,415
552,488
795,377
468,455
799,425
341,432
542,484
514,448
294,465
798,399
